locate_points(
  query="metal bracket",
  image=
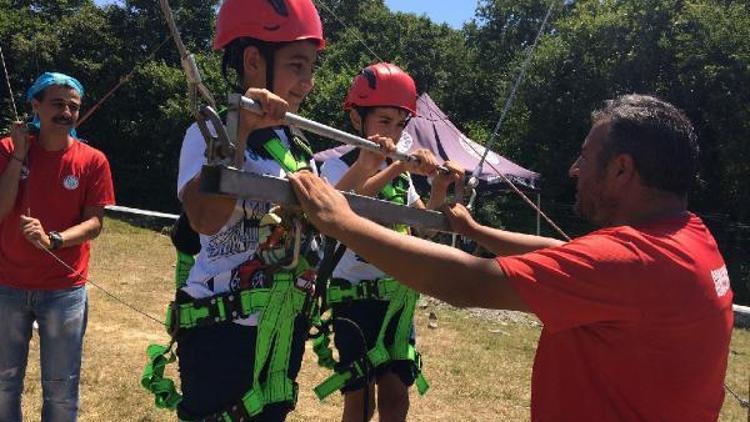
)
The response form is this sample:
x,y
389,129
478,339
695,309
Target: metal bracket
x,y
232,182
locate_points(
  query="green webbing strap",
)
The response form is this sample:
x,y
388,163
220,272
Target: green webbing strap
x,y
272,349
339,379
321,341
396,192
182,269
283,156
201,312
165,393
420,381
216,309
345,291
322,348
400,348
190,315
403,299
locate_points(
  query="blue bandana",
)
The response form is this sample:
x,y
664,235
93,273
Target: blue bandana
x,y
46,80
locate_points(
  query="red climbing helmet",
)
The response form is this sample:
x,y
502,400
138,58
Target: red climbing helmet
x,y
268,20
382,85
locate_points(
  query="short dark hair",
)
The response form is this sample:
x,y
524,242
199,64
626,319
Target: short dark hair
x,y
233,58
658,136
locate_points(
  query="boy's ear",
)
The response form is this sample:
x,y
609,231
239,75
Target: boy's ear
x,y
356,120
253,63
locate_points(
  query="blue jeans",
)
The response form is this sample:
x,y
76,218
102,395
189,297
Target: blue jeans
x,y
61,315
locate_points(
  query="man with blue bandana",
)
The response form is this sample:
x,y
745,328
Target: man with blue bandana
x,y
53,190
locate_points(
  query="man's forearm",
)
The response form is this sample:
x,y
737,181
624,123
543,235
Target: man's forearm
x,y
437,270
505,243
82,232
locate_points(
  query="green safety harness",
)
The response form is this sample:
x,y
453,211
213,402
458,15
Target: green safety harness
x,y
400,298
279,305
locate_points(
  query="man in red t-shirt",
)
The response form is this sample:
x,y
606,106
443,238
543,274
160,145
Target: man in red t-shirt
x,y
637,316
53,190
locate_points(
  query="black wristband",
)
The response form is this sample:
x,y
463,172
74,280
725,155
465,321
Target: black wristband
x,y
55,240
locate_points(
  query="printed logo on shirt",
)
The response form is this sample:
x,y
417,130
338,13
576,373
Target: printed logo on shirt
x,y
236,239
404,143
240,237
70,182
721,280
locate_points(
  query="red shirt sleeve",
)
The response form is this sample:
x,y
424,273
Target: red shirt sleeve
x,y
588,280
100,190
5,151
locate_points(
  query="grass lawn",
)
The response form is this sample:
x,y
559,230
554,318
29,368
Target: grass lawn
x,y
479,370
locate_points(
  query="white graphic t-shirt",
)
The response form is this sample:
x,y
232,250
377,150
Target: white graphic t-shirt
x,y
216,266
353,267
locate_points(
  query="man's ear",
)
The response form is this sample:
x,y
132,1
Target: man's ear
x,y
35,105
356,120
622,167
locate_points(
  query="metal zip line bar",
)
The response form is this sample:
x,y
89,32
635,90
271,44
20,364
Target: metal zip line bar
x,y
324,131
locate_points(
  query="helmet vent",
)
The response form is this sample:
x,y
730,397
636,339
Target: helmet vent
x,y
280,7
372,80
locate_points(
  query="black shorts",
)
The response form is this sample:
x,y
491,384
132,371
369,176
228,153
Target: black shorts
x,y
216,368
368,315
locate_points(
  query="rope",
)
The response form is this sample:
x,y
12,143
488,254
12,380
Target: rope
x,y
348,28
7,80
743,402
122,82
528,201
514,89
111,295
187,60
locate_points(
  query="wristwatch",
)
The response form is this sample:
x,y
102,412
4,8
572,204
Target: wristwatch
x,y
55,240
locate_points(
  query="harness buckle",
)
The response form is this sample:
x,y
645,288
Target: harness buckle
x,y
211,305
368,289
233,306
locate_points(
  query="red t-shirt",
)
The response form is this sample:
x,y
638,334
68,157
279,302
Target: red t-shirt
x,y
58,186
637,323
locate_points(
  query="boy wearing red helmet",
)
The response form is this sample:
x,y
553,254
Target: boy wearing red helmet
x,y
368,306
241,316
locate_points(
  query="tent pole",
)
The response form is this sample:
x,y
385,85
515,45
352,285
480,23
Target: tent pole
x,y
538,216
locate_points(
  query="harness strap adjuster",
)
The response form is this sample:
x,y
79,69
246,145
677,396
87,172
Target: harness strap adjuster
x,y
172,323
233,306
